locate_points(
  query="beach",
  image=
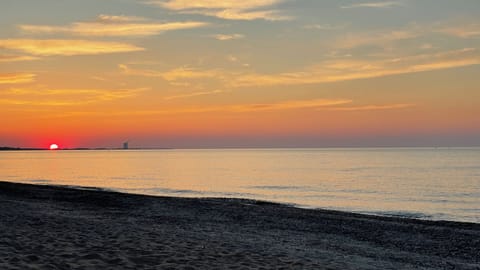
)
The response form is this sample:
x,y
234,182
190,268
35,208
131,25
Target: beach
x,y
52,227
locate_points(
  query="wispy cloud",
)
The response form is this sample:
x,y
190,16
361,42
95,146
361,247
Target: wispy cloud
x,y
173,75
387,38
336,70
291,104
426,46
324,26
383,4
119,18
48,47
64,97
16,58
378,38
229,10
235,108
13,78
344,70
464,31
194,94
246,108
107,25
127,70
373,107
232,58
224,37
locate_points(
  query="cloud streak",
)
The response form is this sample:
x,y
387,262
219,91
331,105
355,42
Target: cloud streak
x,y
228,10
384,4
313,104
194,94
64,97
465,31
345,70
51,47
245,108
224,37
378,38
373,107
14,78
289,105
328,71
387,38
6,58
173,75
113,26
326,27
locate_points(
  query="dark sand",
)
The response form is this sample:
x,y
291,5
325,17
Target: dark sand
x,y
43,227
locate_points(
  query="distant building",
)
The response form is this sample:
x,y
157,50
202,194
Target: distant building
x,y
125,145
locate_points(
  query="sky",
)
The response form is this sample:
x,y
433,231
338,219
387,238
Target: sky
x,y
250,73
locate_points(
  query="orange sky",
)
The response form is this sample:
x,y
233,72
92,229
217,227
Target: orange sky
x,y
265,73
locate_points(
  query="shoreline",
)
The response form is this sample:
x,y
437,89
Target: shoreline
x,y
371,214
388,214
45,227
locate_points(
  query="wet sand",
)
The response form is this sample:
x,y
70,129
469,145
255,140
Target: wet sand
x,y
45,227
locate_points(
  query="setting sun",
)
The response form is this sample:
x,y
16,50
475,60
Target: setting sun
x,y
53,147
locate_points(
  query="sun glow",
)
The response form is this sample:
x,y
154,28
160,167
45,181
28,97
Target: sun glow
x,y
53,147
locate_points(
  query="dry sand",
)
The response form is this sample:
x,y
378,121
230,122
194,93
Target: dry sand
x,y
44,227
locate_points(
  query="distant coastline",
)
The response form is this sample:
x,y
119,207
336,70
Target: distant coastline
x,y
8,148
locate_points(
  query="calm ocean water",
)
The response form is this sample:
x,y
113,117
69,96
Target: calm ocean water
x,y
438,184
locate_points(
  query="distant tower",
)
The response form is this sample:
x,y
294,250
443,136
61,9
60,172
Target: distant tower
x,y
125,145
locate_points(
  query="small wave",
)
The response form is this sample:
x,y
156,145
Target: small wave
x,y
279,187
357,169
189,192
40,181
175,191
85,188
400,214
472,210
360,191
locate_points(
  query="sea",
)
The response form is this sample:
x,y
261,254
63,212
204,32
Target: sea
x,y
424,183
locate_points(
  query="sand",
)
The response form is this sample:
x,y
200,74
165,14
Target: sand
x,y
45,227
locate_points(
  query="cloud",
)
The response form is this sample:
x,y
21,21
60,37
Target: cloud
x,y
107,25
239,108
464,31
209,4
373,107
324,26
127,70
13,78
291,104
64,97
194,94
271,15
173,75
189,73
336,70
232,58
49,47
384,4
224,37
345,70
387,37
245,108
16,58
378,38
118,18
426,46
229,10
